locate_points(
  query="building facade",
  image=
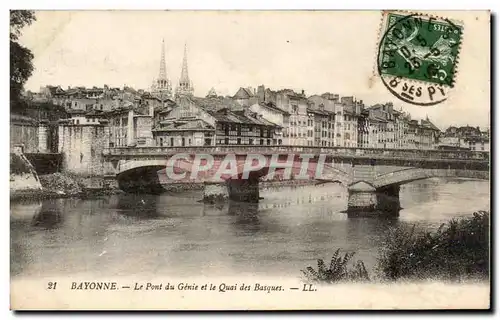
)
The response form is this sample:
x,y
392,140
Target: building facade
x,y
245,128
184,124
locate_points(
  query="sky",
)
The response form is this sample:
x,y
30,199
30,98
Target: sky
x,y
315,51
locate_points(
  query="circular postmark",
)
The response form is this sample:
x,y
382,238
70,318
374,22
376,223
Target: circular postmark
x,y
417,57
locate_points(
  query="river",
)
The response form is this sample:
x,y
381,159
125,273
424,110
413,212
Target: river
x,y
174,234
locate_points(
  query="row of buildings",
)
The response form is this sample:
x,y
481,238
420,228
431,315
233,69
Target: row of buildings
x,y
261,116
269,117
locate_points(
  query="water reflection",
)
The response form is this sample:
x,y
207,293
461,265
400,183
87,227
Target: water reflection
x,y
141,206
173,233
418,191
49,216
246,216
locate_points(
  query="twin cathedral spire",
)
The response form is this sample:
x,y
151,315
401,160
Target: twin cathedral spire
x,y
162,87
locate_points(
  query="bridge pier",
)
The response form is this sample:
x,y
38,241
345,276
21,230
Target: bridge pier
x,y
243,190
388,200
239,190
215,192
366,200
362,199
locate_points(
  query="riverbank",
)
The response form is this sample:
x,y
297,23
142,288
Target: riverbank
x,y
63,185
457,251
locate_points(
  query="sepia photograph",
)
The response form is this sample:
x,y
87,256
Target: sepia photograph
x,y
250,160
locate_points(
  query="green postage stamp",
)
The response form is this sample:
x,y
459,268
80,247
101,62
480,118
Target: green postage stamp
x,y
418,56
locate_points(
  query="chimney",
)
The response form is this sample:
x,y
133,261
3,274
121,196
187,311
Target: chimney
x,y
302,91
261,93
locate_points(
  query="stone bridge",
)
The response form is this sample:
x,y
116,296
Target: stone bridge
x,y
371,176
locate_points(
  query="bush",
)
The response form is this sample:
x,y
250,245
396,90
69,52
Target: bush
x,y
338,270
60,182
458,250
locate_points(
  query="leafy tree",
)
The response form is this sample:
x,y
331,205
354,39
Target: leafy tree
x,y
21,65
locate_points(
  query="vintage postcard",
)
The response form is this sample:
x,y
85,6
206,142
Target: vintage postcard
x,y
249,160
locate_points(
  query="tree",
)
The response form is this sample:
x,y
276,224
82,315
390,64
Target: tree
x,y
21,66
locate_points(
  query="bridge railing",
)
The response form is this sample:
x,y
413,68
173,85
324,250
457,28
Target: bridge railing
x,y
332,151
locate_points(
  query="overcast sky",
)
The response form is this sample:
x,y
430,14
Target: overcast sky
x,y
314,51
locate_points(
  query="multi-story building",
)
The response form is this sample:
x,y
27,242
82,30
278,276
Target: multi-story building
x,y
183,124
321,124
244,128
429,134
400,127
347,113
387,128
313,127
296,104
364,127
323,108
273,114
381,126
247,97
465,137
129,128
288,104
212,121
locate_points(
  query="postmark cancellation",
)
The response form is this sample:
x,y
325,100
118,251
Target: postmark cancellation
x,y
418,56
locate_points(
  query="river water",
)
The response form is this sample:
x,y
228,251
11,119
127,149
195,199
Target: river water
x,y
175,235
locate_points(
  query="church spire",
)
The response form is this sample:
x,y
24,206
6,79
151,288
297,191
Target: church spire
x,y
185,86
162,87
163,68
184,72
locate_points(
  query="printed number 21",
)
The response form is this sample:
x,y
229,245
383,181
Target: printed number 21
x,y
51,285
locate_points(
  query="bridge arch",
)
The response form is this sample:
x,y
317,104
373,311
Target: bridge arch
x,y
334,174
140,176
124,166
407,175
